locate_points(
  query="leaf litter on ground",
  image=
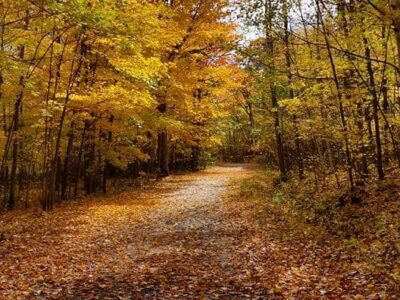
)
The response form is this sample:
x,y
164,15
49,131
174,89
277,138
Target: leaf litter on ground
x,y
192,236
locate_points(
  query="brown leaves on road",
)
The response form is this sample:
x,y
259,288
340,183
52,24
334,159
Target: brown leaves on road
x,y
187,237
163,241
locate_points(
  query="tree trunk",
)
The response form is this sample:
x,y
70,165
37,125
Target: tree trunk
x,y
78,166
65,173
269,46
375,111
163,151
339,97
51,195
299,156
107,166
15,148
195,158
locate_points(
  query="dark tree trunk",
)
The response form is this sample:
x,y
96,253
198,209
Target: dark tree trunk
x,y
339,97
107,166
375,113
80,153
163,151
299,155
195,158
269,45
66,173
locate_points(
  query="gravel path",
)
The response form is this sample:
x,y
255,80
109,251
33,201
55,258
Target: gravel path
x,y
192,247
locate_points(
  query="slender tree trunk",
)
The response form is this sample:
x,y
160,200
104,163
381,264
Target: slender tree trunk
x,y
51,196
163,151
107,166
375,113
90,156
195,158
362,147
78,166
395,7
13,130
299,156
65,172
269,46
339,96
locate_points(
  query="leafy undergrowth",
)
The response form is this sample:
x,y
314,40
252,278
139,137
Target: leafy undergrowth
x,y
350,249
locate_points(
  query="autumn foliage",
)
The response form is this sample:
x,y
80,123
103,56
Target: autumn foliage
x,y
323,96
106,96
92,90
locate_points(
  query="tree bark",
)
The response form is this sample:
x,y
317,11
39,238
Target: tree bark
x,y
339,97
375,113
65,173
163,149
269,46
299,155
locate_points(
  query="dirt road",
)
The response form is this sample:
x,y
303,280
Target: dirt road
x,y
174,240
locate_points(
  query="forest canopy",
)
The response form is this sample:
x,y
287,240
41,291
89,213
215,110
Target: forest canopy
x,y
92,90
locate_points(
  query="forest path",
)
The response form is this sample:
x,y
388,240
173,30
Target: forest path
x,y
192,236
190,246
176,239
